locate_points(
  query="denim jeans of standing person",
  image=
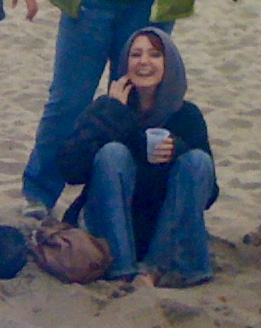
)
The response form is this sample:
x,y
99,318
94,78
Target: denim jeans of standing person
x,y
83,47
180,239
2,12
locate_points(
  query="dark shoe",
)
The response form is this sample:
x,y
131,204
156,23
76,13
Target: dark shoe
x,y
13,251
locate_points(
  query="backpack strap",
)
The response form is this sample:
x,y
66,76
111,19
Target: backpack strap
x,y
71,215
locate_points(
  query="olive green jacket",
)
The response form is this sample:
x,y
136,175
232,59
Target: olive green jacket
x,y
161,11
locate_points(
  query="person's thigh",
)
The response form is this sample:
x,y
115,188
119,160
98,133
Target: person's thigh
x,y
81,53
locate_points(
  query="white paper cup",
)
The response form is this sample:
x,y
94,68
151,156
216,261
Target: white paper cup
x,y
155,136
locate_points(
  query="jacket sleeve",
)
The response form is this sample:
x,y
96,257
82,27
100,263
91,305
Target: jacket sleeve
x,y
105,120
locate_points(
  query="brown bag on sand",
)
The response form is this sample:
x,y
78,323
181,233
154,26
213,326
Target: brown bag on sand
x,y
69,253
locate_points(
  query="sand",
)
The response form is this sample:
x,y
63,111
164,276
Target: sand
x,y
221,47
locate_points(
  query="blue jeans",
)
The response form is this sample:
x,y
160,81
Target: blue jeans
x,y
2,12
83,47
180,239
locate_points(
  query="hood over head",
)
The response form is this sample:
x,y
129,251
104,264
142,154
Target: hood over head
x,y
171,91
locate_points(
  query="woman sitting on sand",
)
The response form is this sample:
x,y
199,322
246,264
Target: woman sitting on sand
x,y
151,213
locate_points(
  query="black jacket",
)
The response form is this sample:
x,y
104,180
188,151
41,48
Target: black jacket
x,y
106,120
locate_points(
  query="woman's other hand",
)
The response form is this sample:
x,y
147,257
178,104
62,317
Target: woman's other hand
x,y
164,152
120,89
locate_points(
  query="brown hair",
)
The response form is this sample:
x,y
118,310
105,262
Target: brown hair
x,y
154,40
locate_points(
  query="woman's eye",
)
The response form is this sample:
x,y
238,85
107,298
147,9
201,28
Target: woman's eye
x,y
135,54
152,54
156,54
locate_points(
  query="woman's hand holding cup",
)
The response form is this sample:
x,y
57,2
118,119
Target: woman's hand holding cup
x,y
160,146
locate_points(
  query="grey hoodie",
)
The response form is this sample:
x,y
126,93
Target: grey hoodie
x,y
173,87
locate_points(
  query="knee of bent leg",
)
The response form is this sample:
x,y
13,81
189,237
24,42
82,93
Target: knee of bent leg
x,y
113,151
198,163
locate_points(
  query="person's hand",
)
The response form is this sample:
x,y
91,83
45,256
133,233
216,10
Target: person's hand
x,y
120,89
163,153
32,8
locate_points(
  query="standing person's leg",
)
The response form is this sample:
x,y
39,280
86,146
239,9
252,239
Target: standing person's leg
x,y
2,12
131,17
180,244
81,55
107,212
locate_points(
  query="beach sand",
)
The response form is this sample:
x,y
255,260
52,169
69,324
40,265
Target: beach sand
x,y
221,47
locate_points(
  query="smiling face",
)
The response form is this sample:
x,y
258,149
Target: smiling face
x,y
145,63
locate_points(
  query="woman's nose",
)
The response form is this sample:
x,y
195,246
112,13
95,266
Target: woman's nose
x,y
144,58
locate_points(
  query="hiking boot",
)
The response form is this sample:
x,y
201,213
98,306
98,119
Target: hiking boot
x,y
35,210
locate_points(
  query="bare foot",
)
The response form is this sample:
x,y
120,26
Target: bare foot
x,y
145,280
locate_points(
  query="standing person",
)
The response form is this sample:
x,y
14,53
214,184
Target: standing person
x,y
31,5
150,211
84,45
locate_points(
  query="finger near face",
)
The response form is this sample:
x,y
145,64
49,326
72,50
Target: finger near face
x,y
128,88
120,84
123,80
